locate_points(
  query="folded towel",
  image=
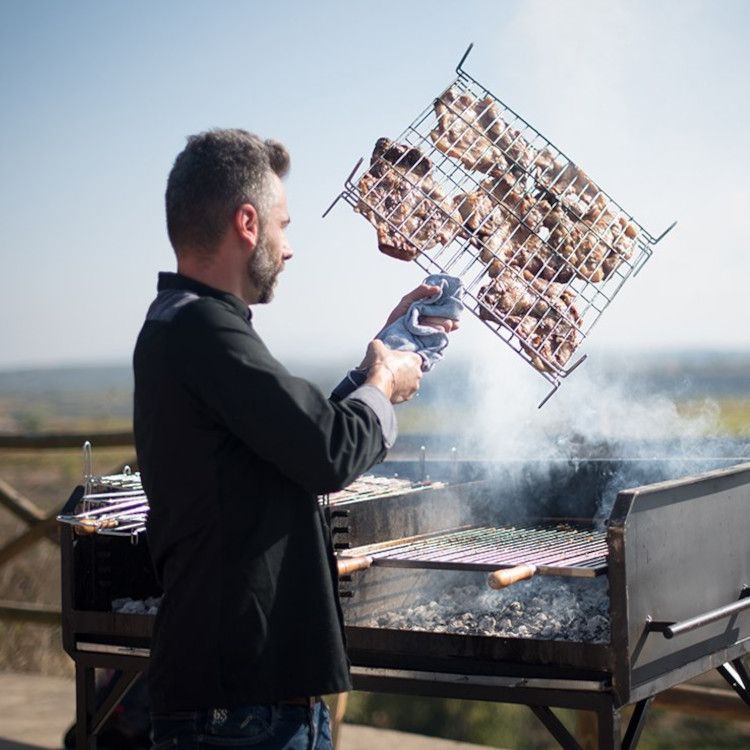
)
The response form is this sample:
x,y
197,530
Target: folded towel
x,y
407,334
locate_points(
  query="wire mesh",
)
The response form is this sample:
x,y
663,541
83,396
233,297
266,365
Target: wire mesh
x,y
471,189
116,505
558,547
368,487
112,505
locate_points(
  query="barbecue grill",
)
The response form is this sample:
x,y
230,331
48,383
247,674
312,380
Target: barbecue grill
x,y
565,243
671,614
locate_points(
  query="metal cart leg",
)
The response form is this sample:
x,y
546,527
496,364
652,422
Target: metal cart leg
x,y
85,739
90,718
116,691
637,722
737,677
555,727
608,720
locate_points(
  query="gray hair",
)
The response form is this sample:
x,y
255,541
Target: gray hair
x,y
212,176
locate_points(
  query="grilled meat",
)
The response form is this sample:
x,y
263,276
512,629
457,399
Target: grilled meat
x,y
542,315
473,131
591,248
467,130
399,196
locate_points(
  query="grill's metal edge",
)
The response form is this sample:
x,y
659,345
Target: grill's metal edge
x,y
483,680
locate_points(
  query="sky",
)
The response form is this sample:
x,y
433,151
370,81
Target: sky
x,y
650,97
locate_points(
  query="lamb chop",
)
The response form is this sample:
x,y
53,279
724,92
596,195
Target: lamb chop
x,y
400,198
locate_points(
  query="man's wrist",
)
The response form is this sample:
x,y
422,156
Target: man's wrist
x,y
383,378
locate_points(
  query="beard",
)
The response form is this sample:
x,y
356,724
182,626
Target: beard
x,y
262,271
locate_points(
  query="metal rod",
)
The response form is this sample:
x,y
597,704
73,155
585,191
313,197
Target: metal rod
x,y
737,677
555,727
117,689
87,466
463,59
665,232
685,626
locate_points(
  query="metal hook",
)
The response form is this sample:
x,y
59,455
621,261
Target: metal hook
x,y
665,232
463,59
347,181
87,467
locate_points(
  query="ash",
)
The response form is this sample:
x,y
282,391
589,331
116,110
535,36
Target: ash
x,y
546,609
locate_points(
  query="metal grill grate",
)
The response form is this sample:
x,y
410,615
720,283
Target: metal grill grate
x,y
368,487
573,548
472,189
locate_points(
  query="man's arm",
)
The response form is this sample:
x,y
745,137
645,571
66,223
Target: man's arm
x,y
283,419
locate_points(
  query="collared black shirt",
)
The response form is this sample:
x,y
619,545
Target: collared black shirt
x,y
233,452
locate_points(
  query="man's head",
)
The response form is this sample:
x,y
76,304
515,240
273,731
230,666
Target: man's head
x,y
225,201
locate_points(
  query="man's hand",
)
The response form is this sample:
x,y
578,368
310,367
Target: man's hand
x,y
396,374
422,291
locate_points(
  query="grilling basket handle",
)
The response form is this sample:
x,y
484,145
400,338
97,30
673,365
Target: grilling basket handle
x,y
499,579
348,565
671,629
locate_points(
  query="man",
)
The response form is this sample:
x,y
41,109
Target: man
x,y
233,452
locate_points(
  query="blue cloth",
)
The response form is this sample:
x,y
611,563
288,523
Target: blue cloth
x,y
407,334
273,727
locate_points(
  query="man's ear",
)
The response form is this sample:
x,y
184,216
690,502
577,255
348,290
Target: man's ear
x,y
246,224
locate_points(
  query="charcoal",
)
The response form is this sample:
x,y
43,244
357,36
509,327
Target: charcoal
x,y
544,608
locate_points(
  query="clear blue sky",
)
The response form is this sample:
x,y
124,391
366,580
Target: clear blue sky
x,y
97,98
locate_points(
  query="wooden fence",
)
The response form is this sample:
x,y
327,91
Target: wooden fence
x,y
689,699
40,524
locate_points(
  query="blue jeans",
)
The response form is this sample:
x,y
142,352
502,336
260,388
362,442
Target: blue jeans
x,y
274,727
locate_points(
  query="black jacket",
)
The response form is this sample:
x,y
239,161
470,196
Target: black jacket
x,y
233,451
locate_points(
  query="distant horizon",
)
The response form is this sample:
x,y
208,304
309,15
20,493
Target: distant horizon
x,y
647,352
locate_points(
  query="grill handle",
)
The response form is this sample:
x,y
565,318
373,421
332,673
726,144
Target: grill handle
x,y
499,579
348,565
671,629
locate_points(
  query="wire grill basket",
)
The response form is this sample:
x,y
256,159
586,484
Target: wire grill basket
x,y
471,189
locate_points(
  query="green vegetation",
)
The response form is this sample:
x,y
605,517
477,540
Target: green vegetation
x,y
501,725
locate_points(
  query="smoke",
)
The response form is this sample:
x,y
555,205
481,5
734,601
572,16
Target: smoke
x,y
607,409
598,405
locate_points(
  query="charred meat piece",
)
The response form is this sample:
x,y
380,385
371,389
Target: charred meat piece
x,y
399,196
